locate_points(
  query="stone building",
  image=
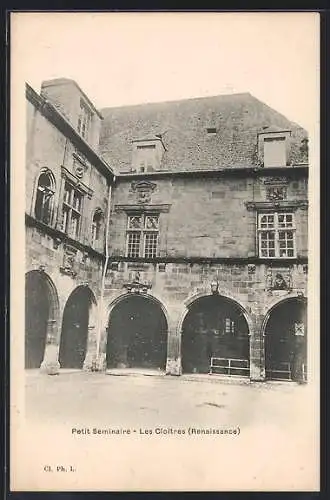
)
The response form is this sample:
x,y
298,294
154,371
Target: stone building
x,y
201,259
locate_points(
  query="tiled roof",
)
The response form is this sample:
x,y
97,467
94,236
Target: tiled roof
x,y
182,125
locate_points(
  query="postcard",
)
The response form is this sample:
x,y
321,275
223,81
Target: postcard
x,y
164,331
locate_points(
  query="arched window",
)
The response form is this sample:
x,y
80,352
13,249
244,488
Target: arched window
x,y
96,226
44,197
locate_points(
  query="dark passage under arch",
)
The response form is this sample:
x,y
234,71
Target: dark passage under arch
x,y
74,333
215,327
286,341
137,334
37,311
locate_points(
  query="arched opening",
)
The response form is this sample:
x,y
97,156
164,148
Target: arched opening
x,y
40,309
137,334
97,222
75,323
44,197
285,341
215,337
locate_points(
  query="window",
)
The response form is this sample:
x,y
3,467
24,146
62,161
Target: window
x,y
142,235
211,130
84,120
276,234
44,197
147,154
71,210
96,226
275,151
229,327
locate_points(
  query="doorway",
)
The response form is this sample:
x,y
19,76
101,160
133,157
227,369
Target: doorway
x,y
75,323
137,334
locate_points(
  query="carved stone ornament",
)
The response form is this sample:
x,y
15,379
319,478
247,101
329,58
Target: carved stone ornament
x,y
251,268
279,279
276,193
69,261
79,170
143,190
135,285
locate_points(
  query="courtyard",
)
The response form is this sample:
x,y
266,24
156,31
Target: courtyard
x,y
136,398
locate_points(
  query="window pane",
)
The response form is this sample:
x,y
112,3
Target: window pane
x,y
286,243
150,245
77,201
75,225
285,220
267,244
67,193
65,219
133,244
266,221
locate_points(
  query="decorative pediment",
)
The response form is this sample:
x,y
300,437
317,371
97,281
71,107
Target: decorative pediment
x,y
136,285
143,190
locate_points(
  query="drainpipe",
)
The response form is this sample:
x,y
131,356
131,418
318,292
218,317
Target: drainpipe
x,y
101,308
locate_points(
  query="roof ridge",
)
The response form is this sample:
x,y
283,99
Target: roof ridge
x,y
185,99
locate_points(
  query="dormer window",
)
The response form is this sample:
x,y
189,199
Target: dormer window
x,y
274,148
84,120
274,152
147,154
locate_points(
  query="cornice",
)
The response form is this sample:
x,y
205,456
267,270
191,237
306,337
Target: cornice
x,y
61,238
277,205
292,171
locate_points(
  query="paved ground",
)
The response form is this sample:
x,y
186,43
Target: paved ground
x,y
161,400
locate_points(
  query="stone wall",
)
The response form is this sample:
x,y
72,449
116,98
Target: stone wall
x,y
205,217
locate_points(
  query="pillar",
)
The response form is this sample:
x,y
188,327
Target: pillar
x,y
257,355
173,360
100,362
50,364
89,363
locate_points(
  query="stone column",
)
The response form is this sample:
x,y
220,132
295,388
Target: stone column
x,y
50,364
257,356
100,357
173,361
89,363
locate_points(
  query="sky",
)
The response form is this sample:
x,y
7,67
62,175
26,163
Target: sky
x,y
129,58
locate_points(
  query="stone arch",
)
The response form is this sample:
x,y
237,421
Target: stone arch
x,y
41,316
268,307
136,336
43,198
284,330
105,313
78,327
225,294
214,325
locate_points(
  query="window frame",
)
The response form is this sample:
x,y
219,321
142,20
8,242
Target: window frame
x,y
69,208
277,229
52,190
96,227
84,120
142,232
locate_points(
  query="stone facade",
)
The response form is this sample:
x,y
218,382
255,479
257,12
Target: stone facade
x,y
207,243
54,148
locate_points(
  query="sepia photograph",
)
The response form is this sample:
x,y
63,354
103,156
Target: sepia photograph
x,y
164,251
